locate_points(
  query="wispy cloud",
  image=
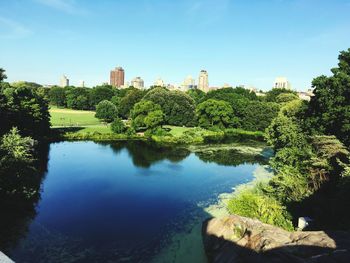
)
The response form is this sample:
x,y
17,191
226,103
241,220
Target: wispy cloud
x,y
67,6
10,29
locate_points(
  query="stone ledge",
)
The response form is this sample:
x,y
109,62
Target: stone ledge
x,y
240,239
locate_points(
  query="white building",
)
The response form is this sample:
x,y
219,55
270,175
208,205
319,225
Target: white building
x,y
281,83
82,83
64,82
189,83
138,83
159,83
203,82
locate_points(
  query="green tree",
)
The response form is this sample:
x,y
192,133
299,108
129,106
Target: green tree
x,y
196,94
215,113
284,132
2,75
145,110
57,96
258,115
100,93
286,97
16,149
23,108
106,111
118,126
126,104
77,98
178,107
329,109
273,94
154,119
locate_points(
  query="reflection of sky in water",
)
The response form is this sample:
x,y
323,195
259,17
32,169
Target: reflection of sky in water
x,y
97,205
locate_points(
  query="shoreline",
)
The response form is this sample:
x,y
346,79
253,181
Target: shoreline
x,y
188,246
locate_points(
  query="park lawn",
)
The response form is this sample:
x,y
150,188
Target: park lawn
x,y
102,128
177,130
68,117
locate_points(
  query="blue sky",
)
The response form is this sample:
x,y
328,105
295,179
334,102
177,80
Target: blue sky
x,y
238,42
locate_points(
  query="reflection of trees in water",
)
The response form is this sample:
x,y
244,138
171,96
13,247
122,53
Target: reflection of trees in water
x,y
17,210
230,157
144,154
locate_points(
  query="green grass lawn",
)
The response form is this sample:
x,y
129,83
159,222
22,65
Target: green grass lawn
x,y
68,117
177,130
102,128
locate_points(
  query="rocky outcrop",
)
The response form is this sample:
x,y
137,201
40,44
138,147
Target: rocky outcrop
x,y
238,239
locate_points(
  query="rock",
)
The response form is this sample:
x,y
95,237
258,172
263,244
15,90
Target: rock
x,y
4,258
238,239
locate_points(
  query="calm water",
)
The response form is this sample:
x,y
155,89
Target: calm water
x,y
120,202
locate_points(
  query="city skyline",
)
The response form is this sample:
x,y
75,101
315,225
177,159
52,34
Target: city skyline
x,y
237,42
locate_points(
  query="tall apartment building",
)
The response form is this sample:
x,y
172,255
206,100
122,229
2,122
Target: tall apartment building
x,y
281,83
64,82
137,83
189,83
117,77
203,82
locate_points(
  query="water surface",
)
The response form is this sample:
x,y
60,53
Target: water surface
x,y
120,202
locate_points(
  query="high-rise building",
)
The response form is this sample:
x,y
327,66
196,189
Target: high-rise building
x,y
159,83
281,83
82,83
137,83
64,82
117,77
189,83
203,83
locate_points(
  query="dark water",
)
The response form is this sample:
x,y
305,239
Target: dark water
x,y
119,202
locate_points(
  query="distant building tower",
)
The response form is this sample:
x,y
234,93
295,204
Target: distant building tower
x,y
137,83
64,82
281,83
117,77
159,83
203,83
82,83
189,83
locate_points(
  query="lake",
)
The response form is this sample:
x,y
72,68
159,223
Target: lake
x,y
121,202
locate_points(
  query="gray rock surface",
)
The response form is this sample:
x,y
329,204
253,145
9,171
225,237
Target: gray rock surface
x,y
239,239
4,258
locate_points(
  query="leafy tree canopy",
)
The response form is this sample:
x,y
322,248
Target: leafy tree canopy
x,y
215,113
106,111
329,109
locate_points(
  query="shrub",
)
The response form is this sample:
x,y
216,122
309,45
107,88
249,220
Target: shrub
x,y
118,126
266,209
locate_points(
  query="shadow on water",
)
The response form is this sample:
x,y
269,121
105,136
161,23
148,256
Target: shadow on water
x,y
18,211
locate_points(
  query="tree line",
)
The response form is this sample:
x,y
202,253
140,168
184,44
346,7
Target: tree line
x,y
311,161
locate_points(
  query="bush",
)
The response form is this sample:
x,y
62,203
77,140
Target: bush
x,y
266,209
118,126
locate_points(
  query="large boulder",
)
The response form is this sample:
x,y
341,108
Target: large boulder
x,y
239,239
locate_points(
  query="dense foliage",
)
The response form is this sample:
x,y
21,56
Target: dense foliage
x,y
106,111
329,109
22,107
215,113
146,115
178,107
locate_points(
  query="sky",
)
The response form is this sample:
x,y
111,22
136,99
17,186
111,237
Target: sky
x,y
247,42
